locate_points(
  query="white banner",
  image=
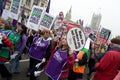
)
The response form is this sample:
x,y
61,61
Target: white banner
x,y
76,38
47,21
15,8
5,14
35,17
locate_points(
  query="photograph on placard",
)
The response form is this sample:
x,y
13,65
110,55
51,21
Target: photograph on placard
x,y
47,21
92,36
15,8
105,33
35,17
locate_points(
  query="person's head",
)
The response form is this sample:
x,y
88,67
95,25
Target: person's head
x,y
21,28
64,40
115,42
6,25
46,33
1,21
24,29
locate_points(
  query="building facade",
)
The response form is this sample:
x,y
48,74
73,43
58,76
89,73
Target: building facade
x,y
28,4
95,22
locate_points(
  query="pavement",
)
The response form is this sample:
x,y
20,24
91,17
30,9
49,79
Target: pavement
x,y
24,63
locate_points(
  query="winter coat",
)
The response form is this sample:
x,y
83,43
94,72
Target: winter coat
x,y
107,67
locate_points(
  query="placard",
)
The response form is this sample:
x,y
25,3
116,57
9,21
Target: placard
x,y
35,17
92,36
104,35
76,38
47,21
5,14
15,8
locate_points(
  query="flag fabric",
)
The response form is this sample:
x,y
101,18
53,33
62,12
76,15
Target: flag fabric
x,y
86,47
70,25
48,7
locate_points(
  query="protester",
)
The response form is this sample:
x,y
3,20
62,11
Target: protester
x,y
3,70
77,74
107,67
94,51
5,51
31,35
62,59
21,38
40,51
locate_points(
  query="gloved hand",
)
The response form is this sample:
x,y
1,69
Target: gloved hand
x,y
38,65
37,73
13,56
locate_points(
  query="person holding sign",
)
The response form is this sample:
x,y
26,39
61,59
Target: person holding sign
x,y
39,51
3,70
21,39
61,61
107,67
79,64
6,51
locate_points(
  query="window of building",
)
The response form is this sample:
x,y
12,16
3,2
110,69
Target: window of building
x,y
36,2
28,2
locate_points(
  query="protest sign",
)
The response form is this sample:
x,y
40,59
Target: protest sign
x,y
92,36
104,35
59,20
87,31
76,38
35,17
15,8
47,21
5,14
58,23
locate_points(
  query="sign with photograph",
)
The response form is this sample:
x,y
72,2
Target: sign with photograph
x,y
76,38
92,36
35,17
15,8
104,35
47,21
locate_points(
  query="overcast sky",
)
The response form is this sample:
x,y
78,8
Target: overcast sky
x,y
84,9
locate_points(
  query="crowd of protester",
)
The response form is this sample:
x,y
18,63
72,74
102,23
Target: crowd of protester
x,y
49,53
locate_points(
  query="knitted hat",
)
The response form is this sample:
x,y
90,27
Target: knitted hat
x,y
115,41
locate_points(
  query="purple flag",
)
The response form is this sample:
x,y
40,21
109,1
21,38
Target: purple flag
x,y
48,7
